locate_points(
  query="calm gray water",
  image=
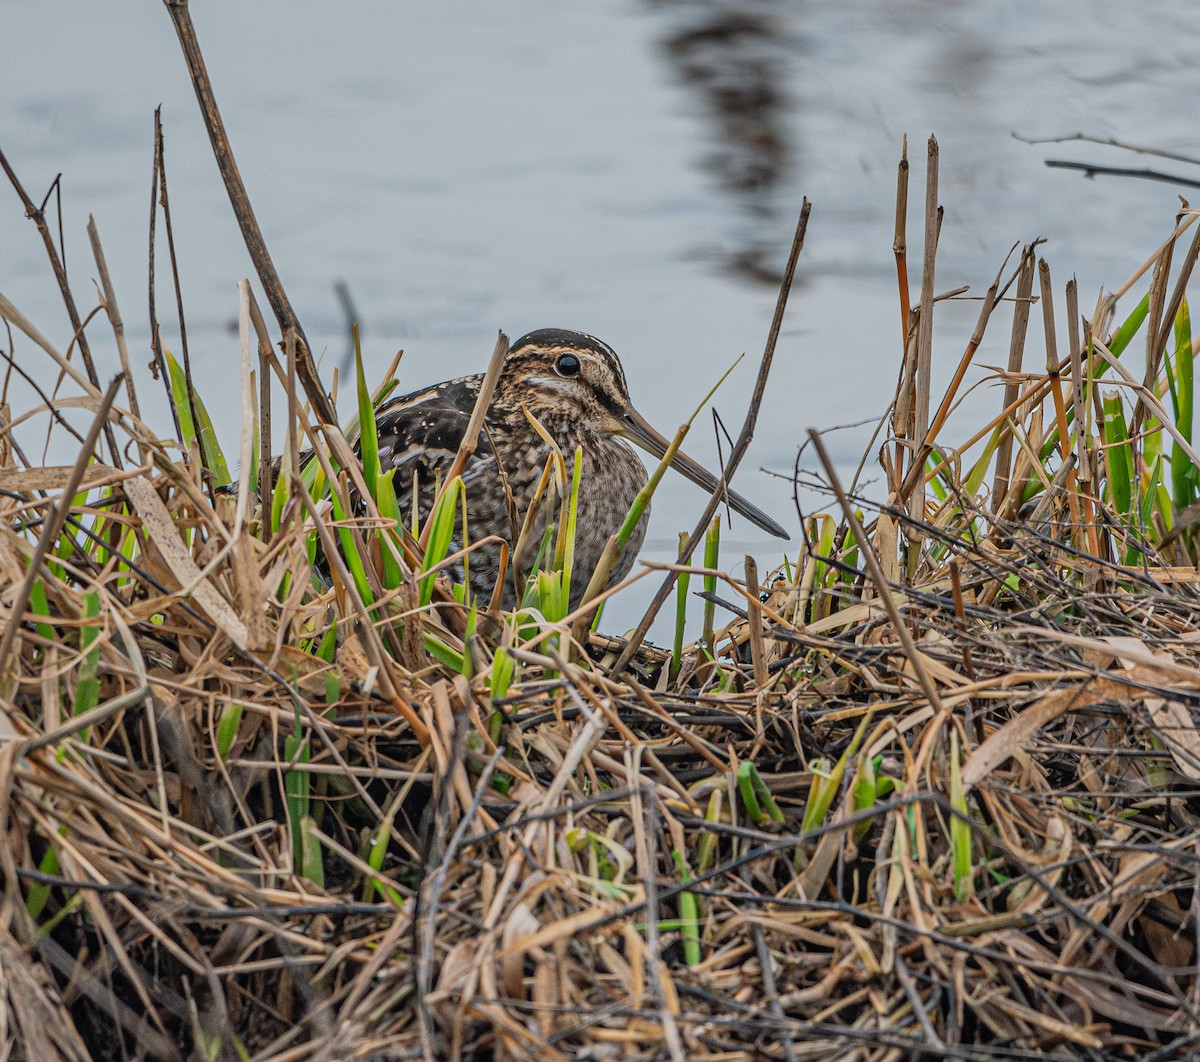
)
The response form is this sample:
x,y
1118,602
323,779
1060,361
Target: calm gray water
x,y
625,167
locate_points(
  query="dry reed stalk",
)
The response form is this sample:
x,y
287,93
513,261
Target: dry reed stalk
x,y
737,452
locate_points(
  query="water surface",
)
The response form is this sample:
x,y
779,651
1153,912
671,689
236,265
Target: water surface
x,y
624,167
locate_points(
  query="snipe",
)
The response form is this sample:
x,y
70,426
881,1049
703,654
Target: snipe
x,y
574,385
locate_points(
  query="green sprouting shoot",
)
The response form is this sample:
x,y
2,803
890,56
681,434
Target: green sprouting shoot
x,y
280,493
756,796
87,691
503,670
368,437
827,782
960,828
441,534
39,891
712,558
327,647
442,653
1185,477
227,728
297,786
1118,454
681,599
706,850
203,433
868,788
565,555
351,552
389,545
39,605
312,864
377,847
689,913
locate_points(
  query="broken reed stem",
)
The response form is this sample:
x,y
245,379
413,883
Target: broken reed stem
x,y
247,441
758,652
916,499
916,469
1016,350
266,460
1177,294
900,241
1081,423
739,446
1157,297
1052,373
1056,388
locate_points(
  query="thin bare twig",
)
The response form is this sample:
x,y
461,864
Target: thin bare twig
x,y
736,453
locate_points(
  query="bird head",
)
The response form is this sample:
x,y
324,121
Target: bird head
x,y
562,376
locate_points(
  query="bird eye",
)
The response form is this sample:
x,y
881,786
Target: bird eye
x,y
567,365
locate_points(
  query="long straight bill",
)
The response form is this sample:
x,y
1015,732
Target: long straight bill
x,y
638,430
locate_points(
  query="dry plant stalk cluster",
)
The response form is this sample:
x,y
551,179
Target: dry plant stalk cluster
x,y
934,793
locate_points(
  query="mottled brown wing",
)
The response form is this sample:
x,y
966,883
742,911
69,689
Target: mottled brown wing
x,y
420,433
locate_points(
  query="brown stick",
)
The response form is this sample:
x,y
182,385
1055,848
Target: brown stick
x,y
238,198
925,325
917,468
1016,351
878,577
758,652
1185,273
735,455
114,314
900,240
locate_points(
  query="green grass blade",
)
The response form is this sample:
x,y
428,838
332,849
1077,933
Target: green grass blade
x,y
368,438
351,553
441,535
39,605
759,803
87,691
389,508
681,603
1118,454
712,558
227,728
960,828
689,913
203,433
1183,473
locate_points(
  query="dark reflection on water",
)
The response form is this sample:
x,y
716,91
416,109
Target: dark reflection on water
x,y
736,58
